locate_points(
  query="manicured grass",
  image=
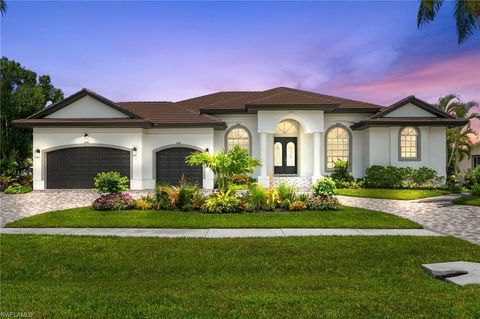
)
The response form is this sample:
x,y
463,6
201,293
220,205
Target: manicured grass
x,y
469,200
309,277
406,194
346,217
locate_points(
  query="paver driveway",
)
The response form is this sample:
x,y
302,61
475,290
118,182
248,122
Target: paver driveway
x,y
13,207
435,213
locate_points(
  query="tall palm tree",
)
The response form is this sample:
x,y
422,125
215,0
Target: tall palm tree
x,y
459,140
466,12
3,6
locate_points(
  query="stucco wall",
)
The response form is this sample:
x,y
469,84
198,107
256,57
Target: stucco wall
x,y
467,163
87,107
146,142
384,148
410,110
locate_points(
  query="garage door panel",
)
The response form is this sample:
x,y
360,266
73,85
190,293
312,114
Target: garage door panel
x,y
76,167
170,166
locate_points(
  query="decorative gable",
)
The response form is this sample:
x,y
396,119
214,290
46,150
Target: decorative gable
x,y
87,108
410,110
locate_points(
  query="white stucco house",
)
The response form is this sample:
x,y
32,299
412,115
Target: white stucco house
x,y
296,134
473,161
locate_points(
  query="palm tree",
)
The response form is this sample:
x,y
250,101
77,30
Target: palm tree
x,y
3,6
459,140
466,12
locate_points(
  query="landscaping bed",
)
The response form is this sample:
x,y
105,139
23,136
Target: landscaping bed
x,y
334,277
345,217
469,200
402,194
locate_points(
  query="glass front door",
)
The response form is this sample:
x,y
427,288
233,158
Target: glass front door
x,y
285,155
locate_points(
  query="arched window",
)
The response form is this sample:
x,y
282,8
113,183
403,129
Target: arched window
x,y
338,142
287,127
409,145
237,135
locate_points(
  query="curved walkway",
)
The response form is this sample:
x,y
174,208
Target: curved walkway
x,y
435,213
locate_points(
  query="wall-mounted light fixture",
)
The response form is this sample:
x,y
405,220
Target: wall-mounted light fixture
x,y
37,153
134,151
85,138
206,150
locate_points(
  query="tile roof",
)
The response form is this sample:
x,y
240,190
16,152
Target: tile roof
x,y
240,101
170,113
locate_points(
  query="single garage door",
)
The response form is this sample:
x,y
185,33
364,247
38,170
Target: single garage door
x,y
76,167
171,167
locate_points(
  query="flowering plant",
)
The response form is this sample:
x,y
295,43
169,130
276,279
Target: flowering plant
x,y
115,201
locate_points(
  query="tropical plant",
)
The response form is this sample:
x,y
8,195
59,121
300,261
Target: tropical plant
x,y
341,173
256,197
297,206
459,140
3,7
467,15
142,204
17,189
475,191
110,182
225,164
286,194
324,187
221,203
471,177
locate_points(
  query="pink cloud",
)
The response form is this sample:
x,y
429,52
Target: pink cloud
x,y
459,75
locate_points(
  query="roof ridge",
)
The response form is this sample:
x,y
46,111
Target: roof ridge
x,y
146,102
331,96
292,91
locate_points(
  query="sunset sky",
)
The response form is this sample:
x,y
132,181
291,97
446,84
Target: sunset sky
x,y
370,51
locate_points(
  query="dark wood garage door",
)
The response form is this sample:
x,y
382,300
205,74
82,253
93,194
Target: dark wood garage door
x,y
76,167
171,167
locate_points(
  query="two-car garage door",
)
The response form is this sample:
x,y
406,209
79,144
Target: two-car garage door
x,y
77,166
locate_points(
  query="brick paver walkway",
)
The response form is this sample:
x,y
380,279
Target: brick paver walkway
x,y
435,213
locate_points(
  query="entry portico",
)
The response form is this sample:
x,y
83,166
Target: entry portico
x,y
293,151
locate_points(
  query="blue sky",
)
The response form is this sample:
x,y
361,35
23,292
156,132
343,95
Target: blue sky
x,y
125,50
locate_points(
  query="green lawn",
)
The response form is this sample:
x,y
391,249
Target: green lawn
x,y
298,277
346,217
469,200
405,194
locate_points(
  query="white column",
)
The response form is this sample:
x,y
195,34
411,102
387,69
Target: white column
x,y
316,157
263,178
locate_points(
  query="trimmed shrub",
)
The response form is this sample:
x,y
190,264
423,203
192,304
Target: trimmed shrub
x,y
221,203
324,187
378,176
113,201
297,206
471,177
323,203
110,182
475,191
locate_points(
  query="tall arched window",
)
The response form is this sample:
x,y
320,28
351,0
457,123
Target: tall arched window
x,y
237,135
338,142
409,145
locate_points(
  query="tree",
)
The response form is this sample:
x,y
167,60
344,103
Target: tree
x,y
225,164
22,93
3,7
459,139
466,12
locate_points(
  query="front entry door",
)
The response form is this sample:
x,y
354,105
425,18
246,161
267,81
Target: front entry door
x,y
285,155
